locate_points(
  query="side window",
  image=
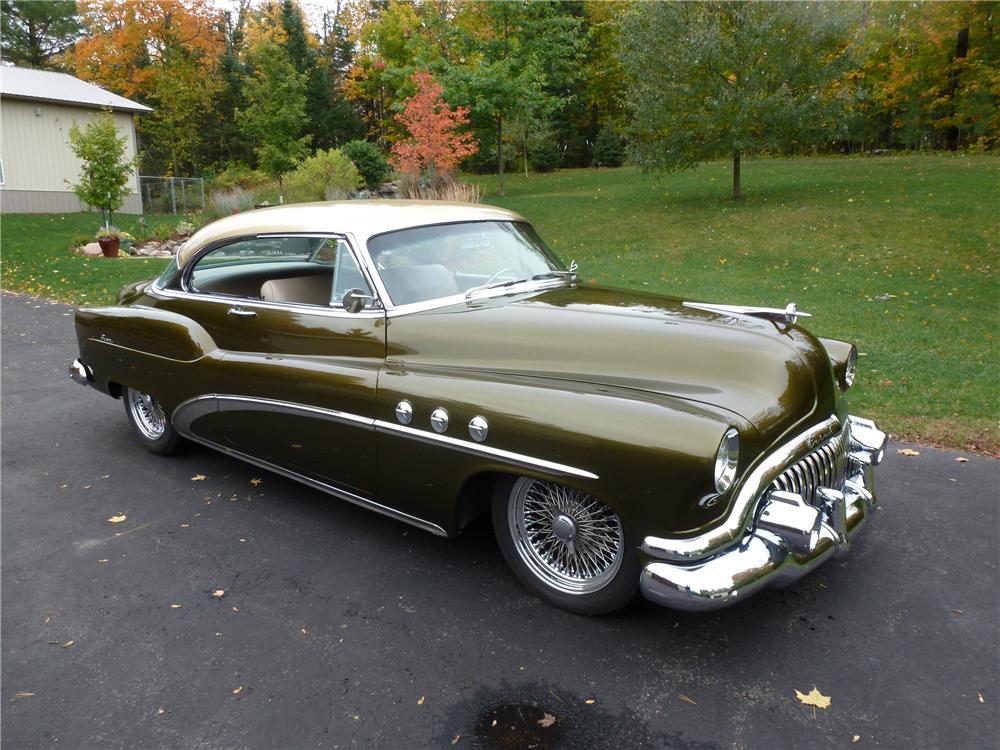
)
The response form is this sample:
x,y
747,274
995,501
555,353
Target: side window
x,y
296,270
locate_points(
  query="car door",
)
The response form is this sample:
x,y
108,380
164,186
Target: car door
x,y
297,378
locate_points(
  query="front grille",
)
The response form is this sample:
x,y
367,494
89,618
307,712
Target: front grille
x,y
824,466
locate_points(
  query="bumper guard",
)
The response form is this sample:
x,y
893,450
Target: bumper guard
x,y
786,538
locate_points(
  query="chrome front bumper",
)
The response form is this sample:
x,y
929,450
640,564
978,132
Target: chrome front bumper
x,y
785,534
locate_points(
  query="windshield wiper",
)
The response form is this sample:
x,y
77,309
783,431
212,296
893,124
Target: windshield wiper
x,y
486,287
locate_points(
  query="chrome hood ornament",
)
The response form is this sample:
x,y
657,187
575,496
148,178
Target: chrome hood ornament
x,y
788,315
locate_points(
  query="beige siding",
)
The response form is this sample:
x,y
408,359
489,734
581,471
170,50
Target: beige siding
x,y
34,144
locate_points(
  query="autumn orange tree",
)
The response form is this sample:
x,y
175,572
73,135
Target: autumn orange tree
x,y
165,54
433,145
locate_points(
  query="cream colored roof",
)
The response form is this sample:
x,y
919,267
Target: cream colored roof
x,y
361,218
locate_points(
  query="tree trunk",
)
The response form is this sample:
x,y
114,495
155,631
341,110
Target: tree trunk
x,y
961,52
737,191
499,122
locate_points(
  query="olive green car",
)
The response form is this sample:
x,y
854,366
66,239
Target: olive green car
x,y
435,362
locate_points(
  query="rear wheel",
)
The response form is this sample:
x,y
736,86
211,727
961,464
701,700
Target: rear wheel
x,y
150,423
566,546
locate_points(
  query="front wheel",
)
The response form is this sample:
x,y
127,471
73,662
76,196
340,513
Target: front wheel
x,y
565,546
150,423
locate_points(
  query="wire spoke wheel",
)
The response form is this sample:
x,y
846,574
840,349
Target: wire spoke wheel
x,y
147,414
569,540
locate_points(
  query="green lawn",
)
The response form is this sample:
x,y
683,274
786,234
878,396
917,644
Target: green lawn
x,y
37,259
834,235
898,254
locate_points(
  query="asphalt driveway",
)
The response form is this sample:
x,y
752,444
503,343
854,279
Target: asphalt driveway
x,y
339,628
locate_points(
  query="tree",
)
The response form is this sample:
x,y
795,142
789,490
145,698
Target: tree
x,y
34,33
165,54
105,171
433,145
275,114
715,79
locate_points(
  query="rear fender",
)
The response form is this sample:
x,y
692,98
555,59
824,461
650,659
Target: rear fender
x,y
154,351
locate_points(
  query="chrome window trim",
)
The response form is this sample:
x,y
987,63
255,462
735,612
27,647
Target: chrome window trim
x,y
329,312
741,513
189,410
460,299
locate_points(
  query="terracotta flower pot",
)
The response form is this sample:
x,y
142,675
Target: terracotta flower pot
x,y
109,246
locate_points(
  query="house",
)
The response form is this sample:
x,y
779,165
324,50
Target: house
x,y
37,108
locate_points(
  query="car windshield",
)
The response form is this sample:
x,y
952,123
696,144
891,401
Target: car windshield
x,y
426,263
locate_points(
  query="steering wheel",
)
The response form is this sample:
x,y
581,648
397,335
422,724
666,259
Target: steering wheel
x,y
501,272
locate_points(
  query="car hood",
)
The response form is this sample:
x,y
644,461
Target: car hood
x,y
776,377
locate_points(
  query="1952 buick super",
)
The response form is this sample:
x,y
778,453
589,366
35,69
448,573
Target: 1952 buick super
x,y
435,361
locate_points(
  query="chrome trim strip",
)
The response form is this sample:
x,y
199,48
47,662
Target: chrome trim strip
x,y
393,311
199,404
740,514
517,459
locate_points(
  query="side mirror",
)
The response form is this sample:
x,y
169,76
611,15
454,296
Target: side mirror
x,y
356,300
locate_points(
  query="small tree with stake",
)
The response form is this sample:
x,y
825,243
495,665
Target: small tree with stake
x,y
105,170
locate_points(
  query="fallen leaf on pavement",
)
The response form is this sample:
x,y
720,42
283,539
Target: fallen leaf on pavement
x,y
457,738
117,519
236,609
256,482
856,738
907,452
814,698
421,701
494,723
238,690
962,460
590,701
160,711
23,694
198,478
104,560
981,699
688,700
547,721
175,606
219,593
67,644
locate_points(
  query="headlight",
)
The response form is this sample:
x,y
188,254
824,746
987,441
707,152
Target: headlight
x,y
726,460
851,368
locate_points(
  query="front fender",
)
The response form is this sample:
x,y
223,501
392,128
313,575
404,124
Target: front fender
x,y
648,456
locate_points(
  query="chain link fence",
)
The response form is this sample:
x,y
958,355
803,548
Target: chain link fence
x,y
171,195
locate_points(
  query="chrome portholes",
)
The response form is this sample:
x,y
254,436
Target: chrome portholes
x,y
439,420
147,414
404,412
479,428
569,540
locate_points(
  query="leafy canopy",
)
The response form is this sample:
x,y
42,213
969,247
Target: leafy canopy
x,y
713,79
275,114
34,32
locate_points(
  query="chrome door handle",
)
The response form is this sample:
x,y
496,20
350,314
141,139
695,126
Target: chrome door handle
x,y
239,312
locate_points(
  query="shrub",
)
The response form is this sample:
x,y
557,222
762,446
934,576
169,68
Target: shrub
x,y
544,151
237,175
326,175
369,161
608,148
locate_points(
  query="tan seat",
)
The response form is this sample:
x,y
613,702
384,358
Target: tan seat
x,y
304,290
